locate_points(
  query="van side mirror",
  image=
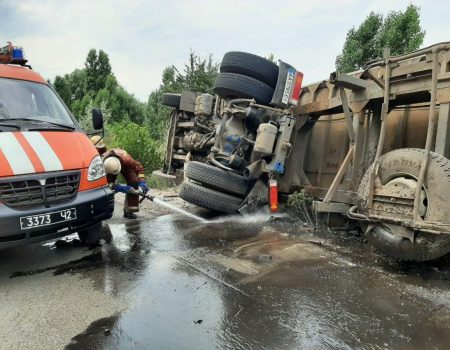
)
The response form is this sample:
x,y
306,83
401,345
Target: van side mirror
x,y
97,119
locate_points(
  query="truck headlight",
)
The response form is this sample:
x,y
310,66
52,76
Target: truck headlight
x,y
96,169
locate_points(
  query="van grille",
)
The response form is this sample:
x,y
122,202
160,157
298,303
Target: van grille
x,y
38,189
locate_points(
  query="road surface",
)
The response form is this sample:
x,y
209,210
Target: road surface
x,y
167,282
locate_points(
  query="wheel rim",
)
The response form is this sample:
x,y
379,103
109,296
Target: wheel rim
x,y
409,182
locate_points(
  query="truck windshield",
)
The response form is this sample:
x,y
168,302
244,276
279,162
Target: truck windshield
x,y
25,100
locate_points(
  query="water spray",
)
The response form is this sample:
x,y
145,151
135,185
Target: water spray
x,y
161,202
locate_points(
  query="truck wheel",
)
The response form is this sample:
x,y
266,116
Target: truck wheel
x,y
171,100
216,178
405,163
251,66
241,86
209,199
91,236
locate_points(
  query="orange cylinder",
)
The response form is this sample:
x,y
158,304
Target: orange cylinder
x,y
273,196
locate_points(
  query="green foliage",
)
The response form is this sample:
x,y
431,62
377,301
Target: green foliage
x,y
155,182
271,58
198,75
299,203
400,31
97,68
136,140
96,85
137,127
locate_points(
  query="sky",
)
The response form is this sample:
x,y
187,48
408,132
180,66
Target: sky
x,y
142,37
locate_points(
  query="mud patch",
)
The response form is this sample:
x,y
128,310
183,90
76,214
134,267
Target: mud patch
x,y
271,253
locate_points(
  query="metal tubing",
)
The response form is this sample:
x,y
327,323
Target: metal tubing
x,y
213,160
430,49
348,115
424,227
430,136
384,113
373,78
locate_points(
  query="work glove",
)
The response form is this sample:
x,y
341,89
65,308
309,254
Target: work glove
x,y
144,187
122,188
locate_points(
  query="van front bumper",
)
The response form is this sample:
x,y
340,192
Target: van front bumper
x,y
91,207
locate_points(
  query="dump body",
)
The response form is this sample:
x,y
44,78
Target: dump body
x,y
371,146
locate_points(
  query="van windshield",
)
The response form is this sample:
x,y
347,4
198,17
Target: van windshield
x,y
25,100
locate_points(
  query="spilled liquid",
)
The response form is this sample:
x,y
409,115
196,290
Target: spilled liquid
x,y
178,210
195,285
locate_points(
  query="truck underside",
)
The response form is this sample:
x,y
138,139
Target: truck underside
x,y
372,146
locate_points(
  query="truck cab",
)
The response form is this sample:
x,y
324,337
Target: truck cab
x,y
52,180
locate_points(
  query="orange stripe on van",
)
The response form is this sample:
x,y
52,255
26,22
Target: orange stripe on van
x,y
34,158
5,168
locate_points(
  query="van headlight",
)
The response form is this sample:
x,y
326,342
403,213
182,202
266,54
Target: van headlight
x,y
96,169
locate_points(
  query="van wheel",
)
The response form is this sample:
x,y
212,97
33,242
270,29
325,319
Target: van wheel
x,y
251,66
232,85
399,165
91,236
171,100
216,178
209,199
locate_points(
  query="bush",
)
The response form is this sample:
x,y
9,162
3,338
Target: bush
x,y
300,204
158,183
137,142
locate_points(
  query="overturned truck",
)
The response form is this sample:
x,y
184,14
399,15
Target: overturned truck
x,y
372,146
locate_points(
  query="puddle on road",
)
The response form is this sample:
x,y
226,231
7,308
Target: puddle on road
x,y
256,282
259,283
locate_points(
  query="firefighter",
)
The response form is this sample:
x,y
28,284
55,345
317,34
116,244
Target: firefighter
x,y
117,161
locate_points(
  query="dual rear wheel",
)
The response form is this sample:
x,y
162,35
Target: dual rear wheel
x,y
213,188
402,167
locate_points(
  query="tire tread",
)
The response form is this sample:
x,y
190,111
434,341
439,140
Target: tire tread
x,y
209,199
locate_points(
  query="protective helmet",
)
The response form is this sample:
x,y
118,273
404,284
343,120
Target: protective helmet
x,y
112,166
97,141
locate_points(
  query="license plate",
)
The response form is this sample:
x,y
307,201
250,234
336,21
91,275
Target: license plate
x,y
28,222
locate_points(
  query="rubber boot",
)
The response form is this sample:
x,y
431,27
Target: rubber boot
x,y
129,215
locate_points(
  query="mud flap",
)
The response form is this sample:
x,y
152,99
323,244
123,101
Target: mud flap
x,y
257,198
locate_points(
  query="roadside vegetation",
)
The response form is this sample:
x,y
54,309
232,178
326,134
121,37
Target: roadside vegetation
x,y
400,31
300,204
138,127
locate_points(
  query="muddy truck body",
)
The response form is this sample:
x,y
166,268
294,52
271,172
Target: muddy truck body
x,y
372,146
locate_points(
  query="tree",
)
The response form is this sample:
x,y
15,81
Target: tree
x,y
400,31
198,75
96,85
97,68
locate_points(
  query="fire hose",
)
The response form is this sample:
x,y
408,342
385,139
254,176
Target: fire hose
x,y
161,202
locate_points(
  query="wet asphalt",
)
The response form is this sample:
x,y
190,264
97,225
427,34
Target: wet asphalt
x,y
167,282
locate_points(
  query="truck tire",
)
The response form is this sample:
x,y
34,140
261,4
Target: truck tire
x,y
251,66
216,178
406,163
209,199
91,236
171,100
240,86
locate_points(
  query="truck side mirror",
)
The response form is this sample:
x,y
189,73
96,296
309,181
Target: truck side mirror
x,y
97,119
